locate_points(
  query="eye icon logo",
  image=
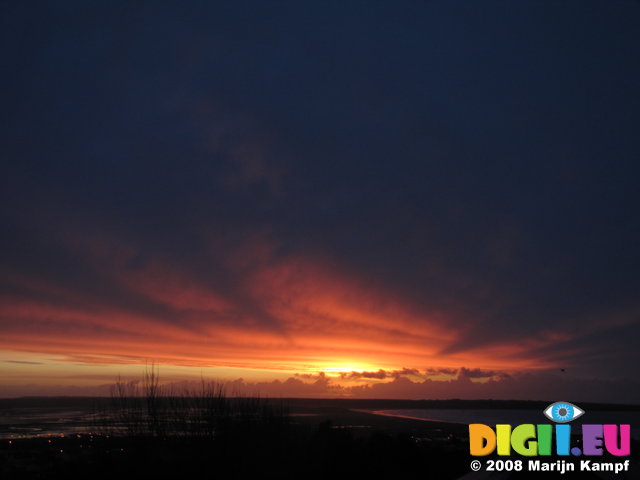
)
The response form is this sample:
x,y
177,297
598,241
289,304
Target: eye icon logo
x,y
563,412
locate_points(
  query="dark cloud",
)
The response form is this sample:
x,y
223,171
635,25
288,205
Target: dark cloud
x,y
406,371
477,164
441,371
381,374
23,362
475,373
545,386
542,386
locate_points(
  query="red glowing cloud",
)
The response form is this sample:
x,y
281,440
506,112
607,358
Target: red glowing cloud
x,y
294,314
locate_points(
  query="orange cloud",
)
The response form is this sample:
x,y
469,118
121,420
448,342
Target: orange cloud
x,y
295,313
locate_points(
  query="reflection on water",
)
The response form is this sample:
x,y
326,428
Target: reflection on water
x,y
32,422
55,417
515,417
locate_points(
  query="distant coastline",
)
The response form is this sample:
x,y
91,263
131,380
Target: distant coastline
x,y
352,403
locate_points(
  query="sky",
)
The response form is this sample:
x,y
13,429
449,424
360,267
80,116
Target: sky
x,y
413,199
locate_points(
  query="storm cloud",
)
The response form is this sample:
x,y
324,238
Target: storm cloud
x,y
423,185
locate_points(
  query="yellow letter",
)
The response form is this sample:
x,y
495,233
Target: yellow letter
x,y
504,439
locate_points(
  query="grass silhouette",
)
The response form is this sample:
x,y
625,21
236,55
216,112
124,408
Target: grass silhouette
x,y
149,409
151,430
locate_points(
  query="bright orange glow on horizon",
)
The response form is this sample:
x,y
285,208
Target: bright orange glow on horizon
x,y
296,318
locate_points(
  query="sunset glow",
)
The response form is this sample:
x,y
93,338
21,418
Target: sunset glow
x,y
287,319
371,201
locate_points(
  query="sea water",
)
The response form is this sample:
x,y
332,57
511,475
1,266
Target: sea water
x,y
515,417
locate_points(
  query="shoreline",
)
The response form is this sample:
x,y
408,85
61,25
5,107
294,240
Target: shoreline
x,y
316,443
408,417
306,415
